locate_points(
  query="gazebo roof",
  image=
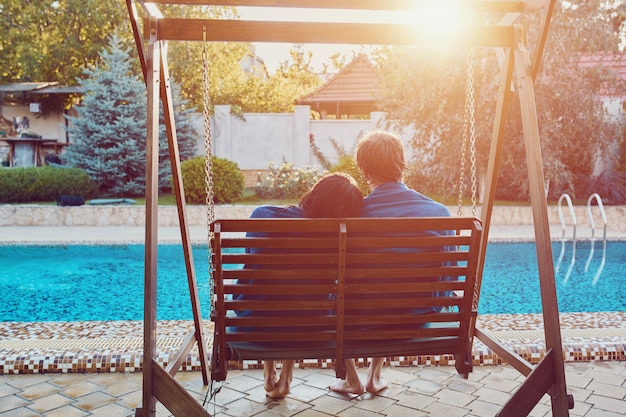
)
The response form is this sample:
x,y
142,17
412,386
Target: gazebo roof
x,y
358,83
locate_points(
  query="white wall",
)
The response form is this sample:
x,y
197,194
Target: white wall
x,y
253,140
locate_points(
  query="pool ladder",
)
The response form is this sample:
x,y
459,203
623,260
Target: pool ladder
x,y
591,198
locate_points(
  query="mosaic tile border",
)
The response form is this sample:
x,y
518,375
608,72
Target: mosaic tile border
x,y
125,355
103,361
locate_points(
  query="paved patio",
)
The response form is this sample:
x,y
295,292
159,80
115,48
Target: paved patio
x,y
599,389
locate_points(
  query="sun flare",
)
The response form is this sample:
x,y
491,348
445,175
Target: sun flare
x,y
438,19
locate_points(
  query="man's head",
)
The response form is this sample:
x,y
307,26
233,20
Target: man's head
x,y
380,157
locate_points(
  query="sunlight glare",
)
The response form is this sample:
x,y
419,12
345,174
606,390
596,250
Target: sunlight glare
x,y
438,20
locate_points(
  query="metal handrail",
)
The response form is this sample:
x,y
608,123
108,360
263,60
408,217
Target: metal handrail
x,y
572,214
567,198
593,230
602,213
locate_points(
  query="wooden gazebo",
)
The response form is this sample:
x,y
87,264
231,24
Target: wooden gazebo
x,y
518,70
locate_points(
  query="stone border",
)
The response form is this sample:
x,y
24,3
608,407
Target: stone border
x,y
118,215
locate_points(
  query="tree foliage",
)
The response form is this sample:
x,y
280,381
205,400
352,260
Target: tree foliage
x,y
574,127
44,40
108,136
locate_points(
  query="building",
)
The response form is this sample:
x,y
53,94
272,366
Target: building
x,y
31,129
353,93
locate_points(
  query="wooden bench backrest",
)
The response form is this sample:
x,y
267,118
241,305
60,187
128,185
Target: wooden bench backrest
x,y
304,288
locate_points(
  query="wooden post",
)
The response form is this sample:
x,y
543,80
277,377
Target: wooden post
x,y
525,89
152,206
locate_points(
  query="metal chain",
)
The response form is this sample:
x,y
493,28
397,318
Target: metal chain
x,y
469,132
208,168
472,129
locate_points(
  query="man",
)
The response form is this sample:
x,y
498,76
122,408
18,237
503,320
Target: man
x,y
380,157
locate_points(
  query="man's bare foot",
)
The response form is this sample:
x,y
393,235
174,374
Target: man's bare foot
x,y
342,386
374,387
281,390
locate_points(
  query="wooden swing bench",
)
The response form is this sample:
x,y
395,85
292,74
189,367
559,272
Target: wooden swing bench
x,y
343,288
331,290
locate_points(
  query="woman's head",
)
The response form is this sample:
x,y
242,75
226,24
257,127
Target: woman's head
x,y
334,195
380,157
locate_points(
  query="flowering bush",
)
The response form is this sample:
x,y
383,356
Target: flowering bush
x,y
286,182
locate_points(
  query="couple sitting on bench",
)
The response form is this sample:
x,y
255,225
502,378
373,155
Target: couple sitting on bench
x,y
380,157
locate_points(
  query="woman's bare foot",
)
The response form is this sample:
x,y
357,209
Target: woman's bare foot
x,y
269,376
281,390
343,386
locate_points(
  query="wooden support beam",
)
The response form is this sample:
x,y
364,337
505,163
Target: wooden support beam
x,y
179,359
177,181
539,204
180,29
512,358
151,230
532,389
174,397
481,6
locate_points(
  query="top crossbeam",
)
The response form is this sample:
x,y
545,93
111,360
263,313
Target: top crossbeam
x,y
479,6
159,27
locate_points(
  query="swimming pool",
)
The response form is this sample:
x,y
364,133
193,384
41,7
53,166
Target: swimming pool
x,y
94,282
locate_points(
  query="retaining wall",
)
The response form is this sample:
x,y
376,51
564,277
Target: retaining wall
x,y
117,215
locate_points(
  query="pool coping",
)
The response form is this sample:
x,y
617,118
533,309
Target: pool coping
x,y
69,347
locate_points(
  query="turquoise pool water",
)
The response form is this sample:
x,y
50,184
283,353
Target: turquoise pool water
x,y
86,282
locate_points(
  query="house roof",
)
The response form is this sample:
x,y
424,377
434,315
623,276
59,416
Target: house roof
x,y
25,87
357,82
51,87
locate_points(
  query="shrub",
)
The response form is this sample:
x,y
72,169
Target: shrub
x,y
228,181
286,182
35,184
348,165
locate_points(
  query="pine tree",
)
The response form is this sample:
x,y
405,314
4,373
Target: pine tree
x,y
109,134
186,134
107,138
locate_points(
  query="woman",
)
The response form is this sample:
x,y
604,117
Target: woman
x,y
334,195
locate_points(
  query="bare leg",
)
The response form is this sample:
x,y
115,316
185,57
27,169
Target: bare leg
x,y
352,384
282,386
375,383
269,375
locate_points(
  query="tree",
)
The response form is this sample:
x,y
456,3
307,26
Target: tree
x,y
46,40
574,126
186,134
108,135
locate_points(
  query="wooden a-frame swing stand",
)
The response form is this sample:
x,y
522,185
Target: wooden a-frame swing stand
x,y
518,71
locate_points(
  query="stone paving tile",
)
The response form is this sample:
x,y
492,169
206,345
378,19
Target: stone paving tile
x,y
19,412
601,402
13,402
481,408
67,411
94,400
456,398
42,389
50,402
409,394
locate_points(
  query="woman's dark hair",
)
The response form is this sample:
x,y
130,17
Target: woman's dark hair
x,y
334,195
